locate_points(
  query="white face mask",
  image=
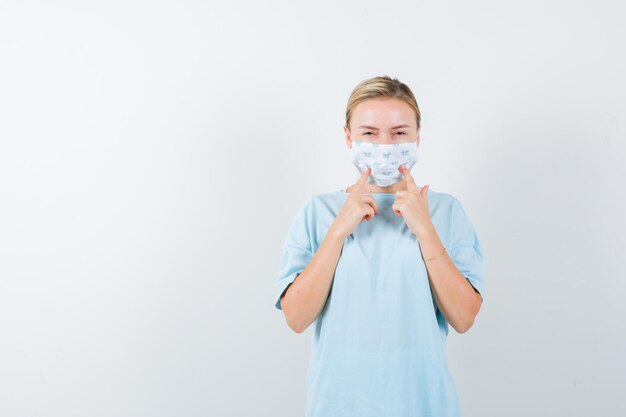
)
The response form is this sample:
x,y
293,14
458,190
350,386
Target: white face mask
x,y
384,160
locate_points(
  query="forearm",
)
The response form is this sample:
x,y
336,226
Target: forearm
x,y
306,296
455,296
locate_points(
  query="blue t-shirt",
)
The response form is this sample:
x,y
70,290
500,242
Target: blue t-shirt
x,y
379,344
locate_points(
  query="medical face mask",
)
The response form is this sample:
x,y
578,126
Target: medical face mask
x,y
384,160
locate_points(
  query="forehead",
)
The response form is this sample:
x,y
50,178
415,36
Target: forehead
x,y
383,111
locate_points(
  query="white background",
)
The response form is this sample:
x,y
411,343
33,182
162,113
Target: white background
x,y
153,154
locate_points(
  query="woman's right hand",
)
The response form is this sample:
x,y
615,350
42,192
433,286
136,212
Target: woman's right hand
x,y
358,207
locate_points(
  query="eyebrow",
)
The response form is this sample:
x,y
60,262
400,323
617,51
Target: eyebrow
x,y
375,128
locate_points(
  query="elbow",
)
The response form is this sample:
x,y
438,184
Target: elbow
x,y
296,322
471,317
464,327
296,325
296,328
293,321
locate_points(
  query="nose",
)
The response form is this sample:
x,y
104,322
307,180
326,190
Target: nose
x,y
385,138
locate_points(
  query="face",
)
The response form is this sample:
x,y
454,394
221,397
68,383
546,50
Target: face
x,y
382,120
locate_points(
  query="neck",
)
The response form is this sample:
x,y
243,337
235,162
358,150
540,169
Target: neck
x,y
372,188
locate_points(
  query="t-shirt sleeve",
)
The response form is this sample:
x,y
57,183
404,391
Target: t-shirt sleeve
x,y
465,250
297,250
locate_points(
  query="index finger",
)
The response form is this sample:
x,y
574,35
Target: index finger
x,y
410,182
363,179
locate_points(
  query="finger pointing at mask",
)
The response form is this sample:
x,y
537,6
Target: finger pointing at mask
x,y
359,206
412,205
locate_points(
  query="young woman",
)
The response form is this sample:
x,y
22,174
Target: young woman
x,y
381,268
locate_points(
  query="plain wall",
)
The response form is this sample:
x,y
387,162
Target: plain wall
x,y
153,154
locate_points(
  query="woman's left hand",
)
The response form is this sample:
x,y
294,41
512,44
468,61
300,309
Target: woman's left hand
x,y
412,205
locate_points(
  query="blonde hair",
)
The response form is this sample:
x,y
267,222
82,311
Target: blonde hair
x,y
382,86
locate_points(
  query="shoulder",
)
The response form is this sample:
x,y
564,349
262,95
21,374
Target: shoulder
x,y
316,214
318,205
325,200
321,208
443,200
448,209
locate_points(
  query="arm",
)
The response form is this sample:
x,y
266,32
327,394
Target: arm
x,y
457,299
455,296
305,297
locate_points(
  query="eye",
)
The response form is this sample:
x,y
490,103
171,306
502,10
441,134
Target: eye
x,y
367,133
401,133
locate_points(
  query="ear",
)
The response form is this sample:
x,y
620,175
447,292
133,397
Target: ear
x,y
348,137
418,136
